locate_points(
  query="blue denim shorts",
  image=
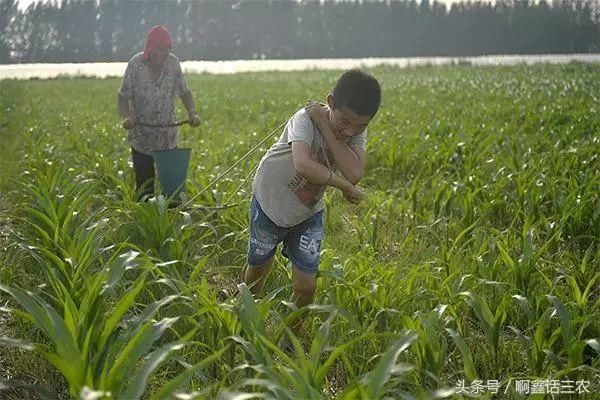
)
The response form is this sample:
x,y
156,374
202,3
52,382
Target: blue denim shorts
x,y
301,243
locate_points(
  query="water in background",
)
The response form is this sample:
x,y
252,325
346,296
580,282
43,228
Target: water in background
x,y
102,70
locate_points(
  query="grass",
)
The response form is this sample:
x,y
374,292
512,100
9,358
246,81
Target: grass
x,y
474,255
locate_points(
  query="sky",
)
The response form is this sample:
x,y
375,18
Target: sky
x,y
24,3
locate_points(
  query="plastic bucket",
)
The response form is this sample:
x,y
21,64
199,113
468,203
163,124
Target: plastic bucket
x,y
171,168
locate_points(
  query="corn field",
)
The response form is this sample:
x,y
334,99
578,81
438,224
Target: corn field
x,y
474,260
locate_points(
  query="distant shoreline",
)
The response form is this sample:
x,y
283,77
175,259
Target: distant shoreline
x,y
116,69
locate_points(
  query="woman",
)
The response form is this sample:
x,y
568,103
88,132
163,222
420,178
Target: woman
x,y
152,80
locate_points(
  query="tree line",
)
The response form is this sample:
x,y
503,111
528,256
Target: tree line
x,y
113,30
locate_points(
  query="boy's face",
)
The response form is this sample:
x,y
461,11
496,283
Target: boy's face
x,y
345,123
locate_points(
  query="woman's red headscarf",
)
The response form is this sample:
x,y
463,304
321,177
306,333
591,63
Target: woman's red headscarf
x,y
158,35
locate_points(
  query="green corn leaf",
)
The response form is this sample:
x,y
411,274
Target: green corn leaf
x,y
382,372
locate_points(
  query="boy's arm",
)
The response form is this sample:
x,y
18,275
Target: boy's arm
x,y
318,174
350,160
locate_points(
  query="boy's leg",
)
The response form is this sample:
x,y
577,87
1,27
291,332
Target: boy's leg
x,y
143,166
256,275
303,248
304,287
265,235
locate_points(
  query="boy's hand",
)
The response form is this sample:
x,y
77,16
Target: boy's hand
x,y
318,113
194,118
127,123
353,194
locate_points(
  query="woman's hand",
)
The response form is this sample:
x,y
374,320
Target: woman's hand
x,y
128,123
194,118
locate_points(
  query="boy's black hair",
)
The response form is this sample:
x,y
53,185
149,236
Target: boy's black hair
x,y
358,91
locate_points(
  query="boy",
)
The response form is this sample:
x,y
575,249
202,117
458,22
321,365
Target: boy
x,y
287,204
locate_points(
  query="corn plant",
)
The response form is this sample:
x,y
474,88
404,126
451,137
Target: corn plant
x,y
490,322
89,347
